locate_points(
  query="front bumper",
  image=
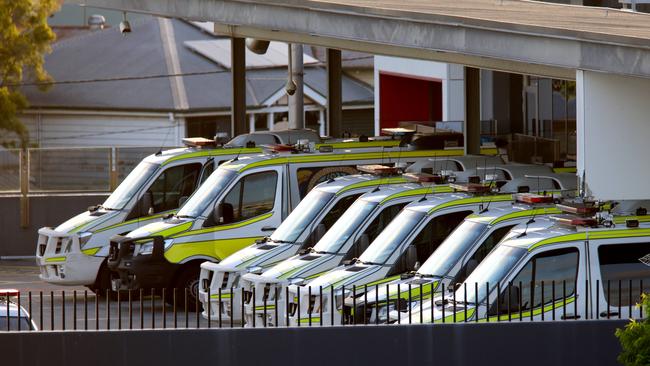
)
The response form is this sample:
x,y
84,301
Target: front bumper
x,y
131,271
219,293
312,308
264,301
61,260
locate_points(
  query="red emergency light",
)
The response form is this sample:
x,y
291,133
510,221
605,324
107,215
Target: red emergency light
x,y
578,208
378,169
470,187
532,198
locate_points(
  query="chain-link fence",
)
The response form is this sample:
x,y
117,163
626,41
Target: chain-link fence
x,y
83,169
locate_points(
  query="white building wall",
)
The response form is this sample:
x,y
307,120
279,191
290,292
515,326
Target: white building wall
x,y
451,75
74,129
613,130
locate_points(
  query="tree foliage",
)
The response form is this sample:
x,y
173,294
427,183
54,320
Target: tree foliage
x,y
25,37
635,339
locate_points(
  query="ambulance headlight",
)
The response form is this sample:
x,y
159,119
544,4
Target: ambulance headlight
x,y
340,296
147,248
254,269
297,281
84,237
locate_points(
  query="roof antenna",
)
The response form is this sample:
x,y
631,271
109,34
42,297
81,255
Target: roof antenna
x,y
171,119
487,206
532,220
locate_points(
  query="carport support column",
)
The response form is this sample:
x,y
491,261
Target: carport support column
x,y
472,126
334,93
238,71
296,101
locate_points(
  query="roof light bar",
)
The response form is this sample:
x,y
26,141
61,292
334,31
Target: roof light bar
x,y
424,178
532,198
585,209
470,187
378,169
572,220
198,142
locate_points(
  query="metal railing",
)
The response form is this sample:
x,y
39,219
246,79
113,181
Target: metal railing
x,y
81,169
174,308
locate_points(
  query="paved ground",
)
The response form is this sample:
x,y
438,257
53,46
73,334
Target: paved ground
x,y
53,307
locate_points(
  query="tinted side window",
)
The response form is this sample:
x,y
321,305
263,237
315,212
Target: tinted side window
x,y
309,178
331,217
623,263
430,238
482,252
559,267
252,196
172,184
375,227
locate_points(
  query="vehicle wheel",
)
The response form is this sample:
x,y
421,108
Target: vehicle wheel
x,y
103,283
328,173
188,277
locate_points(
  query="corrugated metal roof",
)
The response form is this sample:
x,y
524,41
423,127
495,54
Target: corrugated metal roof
x,y
107,54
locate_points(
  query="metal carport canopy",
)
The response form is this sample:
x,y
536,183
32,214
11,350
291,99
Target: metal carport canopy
x,y
526,37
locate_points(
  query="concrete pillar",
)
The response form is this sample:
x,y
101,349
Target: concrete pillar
x,y
251,122
321,122
612,135
334,93
296,101
269,121
472,126
238,71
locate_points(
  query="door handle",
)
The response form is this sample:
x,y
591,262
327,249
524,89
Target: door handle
x,y
569,317
268,228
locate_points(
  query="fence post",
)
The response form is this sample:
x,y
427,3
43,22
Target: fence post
x,y
24,188
112,178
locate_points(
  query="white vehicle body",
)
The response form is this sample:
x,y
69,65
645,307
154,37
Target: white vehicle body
x,y
12,316
407,241
73,252
450,263
293,234
241,202
576,272
346,239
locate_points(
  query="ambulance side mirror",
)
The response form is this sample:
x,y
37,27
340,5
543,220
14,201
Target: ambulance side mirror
x,y
223,213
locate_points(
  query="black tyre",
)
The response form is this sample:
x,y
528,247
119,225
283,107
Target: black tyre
x,y
187,278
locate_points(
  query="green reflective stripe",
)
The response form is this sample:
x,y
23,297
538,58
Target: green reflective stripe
x,y
372,183
315,275
415,291
537,311
443,188
144,218
520,214
565,170
91,251
622,219
174,230
314,319
360,145
593,235
349,156
383,280
460,316
224,295
55,259
216,248
212,152
472,200
268,307
225,227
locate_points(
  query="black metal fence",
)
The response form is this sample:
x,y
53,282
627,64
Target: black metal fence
x,y
406,304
